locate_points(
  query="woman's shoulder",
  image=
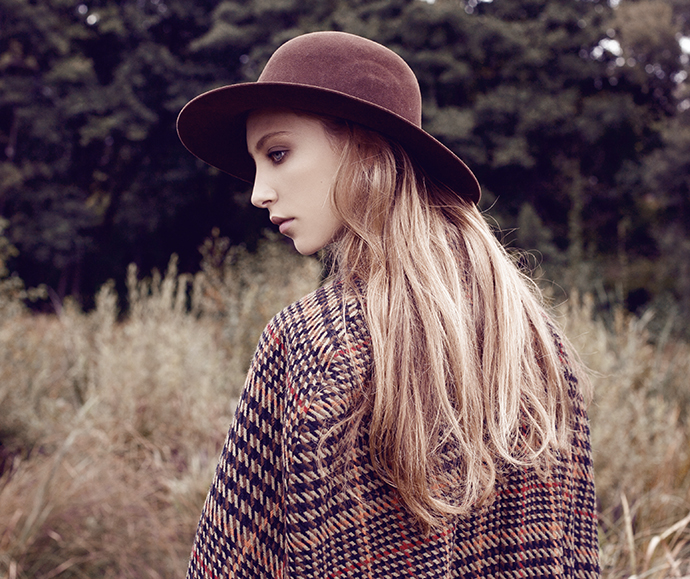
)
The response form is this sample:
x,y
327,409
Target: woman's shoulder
x,y
319,318
316,308
317,348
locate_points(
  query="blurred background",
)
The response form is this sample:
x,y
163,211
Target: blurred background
x,y
574,114
117,382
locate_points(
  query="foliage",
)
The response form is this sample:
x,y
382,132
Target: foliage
x,y
565,106
667,202
8,287
93,176
13,294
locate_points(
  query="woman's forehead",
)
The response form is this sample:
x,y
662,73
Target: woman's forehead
x,y
265,122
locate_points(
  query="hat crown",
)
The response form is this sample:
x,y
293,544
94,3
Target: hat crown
x,y
323,73
351,65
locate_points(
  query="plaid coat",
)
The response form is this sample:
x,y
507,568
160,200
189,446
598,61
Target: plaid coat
x,y
272,513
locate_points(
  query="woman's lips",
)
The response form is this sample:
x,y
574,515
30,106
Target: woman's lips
x,y
282,223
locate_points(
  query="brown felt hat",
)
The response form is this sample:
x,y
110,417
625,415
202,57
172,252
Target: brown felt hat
x,y
331,73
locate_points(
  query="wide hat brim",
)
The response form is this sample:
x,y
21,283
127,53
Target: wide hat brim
x,y
213,127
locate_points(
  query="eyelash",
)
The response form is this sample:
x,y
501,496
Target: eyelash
x,y
277,156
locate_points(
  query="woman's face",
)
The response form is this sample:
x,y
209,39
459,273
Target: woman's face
x,y
296,162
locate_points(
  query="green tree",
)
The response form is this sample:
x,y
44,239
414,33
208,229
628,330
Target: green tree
x,y
92,175
655,218
555,104
664,199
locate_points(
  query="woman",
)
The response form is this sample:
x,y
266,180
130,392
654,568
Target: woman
x,y
416,416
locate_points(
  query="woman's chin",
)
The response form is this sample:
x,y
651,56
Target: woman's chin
x,y
308,248
306,251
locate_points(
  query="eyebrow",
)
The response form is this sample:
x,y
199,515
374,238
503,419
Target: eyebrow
x,y
262,141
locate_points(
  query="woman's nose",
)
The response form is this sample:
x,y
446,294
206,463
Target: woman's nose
x,y
262,193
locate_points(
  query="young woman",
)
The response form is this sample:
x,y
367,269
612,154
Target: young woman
x,y
417,416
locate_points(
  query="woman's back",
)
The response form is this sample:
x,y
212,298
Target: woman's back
x,y
282,505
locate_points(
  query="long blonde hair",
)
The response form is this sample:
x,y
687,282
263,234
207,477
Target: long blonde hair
x,y
466,377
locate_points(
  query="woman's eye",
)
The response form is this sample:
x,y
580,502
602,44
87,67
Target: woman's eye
x,y
277,156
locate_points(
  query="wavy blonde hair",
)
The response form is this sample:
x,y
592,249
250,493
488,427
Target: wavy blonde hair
x,y
466,376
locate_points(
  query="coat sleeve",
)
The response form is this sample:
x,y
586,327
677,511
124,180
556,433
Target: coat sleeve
x,y
240,533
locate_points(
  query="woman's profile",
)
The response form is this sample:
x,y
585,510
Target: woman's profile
x,y
418,415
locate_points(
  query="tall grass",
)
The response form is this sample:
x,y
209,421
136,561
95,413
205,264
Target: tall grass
x,y
639,420
111,422
111,428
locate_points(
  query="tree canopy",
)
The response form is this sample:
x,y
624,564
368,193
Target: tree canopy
x,y
572,113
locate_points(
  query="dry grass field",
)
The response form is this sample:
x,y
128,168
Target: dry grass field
x,y
111,424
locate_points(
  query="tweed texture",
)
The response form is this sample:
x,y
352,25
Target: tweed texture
x,y
272,512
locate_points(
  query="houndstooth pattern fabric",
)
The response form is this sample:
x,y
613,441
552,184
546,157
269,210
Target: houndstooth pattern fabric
x,y
273,513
